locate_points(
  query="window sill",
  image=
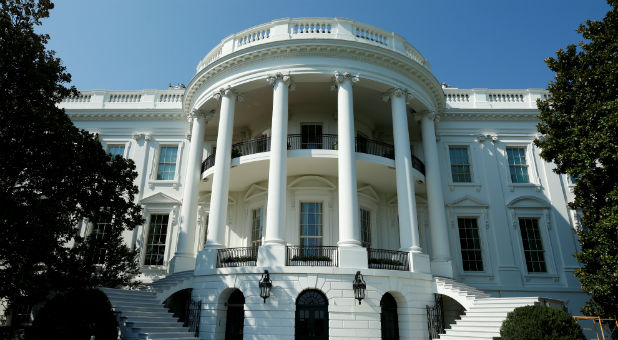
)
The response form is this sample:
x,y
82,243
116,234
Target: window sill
x,y
541,278
167,183
513,186
453,185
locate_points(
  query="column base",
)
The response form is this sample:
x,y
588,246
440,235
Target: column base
x,y
181,263
419,263
206,262
271,255
353,257
440,267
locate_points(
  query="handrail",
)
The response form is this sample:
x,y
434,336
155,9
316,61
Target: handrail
x,y
316,256
318,142
388,259
237,257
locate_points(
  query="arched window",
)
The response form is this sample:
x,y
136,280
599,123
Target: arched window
x,y
235,316
311,315
388,318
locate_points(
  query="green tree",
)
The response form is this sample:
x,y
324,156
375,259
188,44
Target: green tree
x,y
579,133
53,176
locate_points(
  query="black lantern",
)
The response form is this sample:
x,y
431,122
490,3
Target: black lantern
x,y
265,286
359,287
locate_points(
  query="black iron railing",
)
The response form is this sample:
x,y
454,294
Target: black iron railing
x,y
323,142
249,147
320,256
435,318
194,312
237,257
374,147
388,259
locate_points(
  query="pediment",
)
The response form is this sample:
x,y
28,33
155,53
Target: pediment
x,y
255,191
467,202
159,198
311,182
367,191
528,202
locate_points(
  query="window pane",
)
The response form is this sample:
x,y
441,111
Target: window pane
x,y
517,165
311,136
155,245
365,222
470,242
257,226
167,163
533,245
115,150
310,224
98,233
460,165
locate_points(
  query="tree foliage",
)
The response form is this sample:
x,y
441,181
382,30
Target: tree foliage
x,y
540,323
53,176
579,133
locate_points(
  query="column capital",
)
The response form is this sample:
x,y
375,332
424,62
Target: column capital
x,y
431,115
227,92
286,78
340,77
398,92
201,114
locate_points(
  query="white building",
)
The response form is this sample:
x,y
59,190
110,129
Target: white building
x,y
337,151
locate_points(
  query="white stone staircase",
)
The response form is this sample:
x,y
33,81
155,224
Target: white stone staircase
x,y
141,314
484,315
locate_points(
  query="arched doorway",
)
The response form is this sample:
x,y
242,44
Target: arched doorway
x,y
178,304
235,318
388,318
311,316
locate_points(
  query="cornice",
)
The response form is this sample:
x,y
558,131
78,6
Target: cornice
x,y
370,54
137,114
490,114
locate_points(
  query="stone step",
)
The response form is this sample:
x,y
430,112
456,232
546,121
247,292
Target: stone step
x,y
143,324
122,292
136,314
167,335
479,323
152,319
477,333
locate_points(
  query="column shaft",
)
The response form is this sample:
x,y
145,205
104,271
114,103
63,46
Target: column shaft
x,y
406,200
277,172
440,248
221,176
185,253
349,229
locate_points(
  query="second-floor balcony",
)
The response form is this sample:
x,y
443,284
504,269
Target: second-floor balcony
x,y
319,142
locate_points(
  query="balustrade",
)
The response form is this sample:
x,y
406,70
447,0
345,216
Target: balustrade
x,y
237,257
317,256
319,142
388,259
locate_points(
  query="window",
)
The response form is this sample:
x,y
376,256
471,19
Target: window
x,y
365,224
155,245
115,150
533,245
98,233
310,224
167,163
471,255
257,226
311,136
517,164
460,165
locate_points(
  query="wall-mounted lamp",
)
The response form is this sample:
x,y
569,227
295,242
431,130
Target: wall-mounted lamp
x,y
265,285
359,287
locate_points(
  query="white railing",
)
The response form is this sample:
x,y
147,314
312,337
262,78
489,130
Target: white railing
x,y
485,98
169,99
312,28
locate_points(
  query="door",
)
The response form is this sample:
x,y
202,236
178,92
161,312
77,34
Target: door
x,y
311,316
235,320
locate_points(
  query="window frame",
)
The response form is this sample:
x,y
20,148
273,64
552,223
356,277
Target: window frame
x,y
166,250
470,170
542,242
125,142
525,166
476,219
154,169
366,243
480,213
320,237
445,158
251,241
534,177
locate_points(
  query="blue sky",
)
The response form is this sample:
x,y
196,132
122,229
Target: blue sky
x,y
135,44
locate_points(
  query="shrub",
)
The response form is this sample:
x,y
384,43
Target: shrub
x,y
540,323
76,315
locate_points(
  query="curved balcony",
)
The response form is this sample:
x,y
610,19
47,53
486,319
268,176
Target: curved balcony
x,y
322,142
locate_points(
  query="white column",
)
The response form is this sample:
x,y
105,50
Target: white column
x,y
351,254
184,259
441,262
406,200
272,253
220,181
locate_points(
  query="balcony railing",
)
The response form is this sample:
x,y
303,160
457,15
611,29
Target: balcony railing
x,y
237,257
319,256
388,259
319,142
